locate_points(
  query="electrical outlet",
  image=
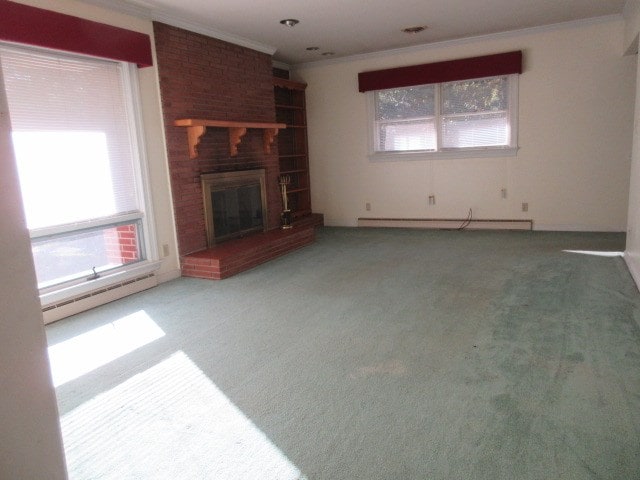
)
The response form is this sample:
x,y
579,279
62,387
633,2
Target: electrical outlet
x,y
503,192
432,199
367,207
525,207
165,250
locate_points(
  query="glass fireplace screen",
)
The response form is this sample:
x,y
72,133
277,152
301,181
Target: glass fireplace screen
x,y
236,211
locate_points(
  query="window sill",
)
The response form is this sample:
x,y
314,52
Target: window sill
x,y
443,155
61,294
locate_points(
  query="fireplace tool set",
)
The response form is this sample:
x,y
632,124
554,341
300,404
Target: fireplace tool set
x,y
285,216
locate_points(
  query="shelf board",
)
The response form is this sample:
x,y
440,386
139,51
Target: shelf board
x,y
197,127
298,189
305,212
293,155
299,170
288,84
290,107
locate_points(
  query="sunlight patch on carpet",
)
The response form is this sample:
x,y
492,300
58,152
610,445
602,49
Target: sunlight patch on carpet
x,y
88,351
182,425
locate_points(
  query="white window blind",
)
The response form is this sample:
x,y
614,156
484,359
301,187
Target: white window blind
x,y
475,113
71,135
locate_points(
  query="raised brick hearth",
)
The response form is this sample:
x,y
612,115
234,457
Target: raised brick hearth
x,y
230,258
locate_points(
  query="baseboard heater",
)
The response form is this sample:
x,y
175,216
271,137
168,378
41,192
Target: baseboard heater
x,y
71,306
447,223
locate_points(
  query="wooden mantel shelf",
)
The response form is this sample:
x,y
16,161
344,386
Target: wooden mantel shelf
x,y
196,128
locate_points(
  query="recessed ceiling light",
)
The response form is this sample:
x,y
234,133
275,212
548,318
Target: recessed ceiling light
x,y
414,29
327,54
311,49
290,22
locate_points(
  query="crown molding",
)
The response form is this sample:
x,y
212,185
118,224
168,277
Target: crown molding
x,y
123,7
203,29
462,41
149,13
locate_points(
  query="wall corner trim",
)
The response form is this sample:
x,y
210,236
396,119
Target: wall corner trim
x,y
634,268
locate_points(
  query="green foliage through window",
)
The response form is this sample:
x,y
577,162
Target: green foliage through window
x,y
406,103
473,96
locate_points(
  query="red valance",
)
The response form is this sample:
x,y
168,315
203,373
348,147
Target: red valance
x,y
448,71
36,26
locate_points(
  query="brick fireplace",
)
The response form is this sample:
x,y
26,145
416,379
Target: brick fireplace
x,y
202,77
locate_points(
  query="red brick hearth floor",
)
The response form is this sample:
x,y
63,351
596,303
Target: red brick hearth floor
x,y
235,256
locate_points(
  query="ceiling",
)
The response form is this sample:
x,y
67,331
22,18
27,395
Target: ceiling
x,y
351,27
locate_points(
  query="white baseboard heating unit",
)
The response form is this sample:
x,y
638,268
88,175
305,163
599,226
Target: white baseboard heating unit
x,y
58,310
447,223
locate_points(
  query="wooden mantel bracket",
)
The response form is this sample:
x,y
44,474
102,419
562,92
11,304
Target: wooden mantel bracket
x,y
269,135
194,134
235,137
196,128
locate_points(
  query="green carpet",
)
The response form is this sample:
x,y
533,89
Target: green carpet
x,y
372,354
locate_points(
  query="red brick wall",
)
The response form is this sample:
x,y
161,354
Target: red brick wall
x,y
122,244
202,77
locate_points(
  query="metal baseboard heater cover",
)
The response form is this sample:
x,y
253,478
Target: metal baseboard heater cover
x,y
447,223
63,309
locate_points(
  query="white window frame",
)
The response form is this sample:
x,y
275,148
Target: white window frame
x,y
448,153
150,262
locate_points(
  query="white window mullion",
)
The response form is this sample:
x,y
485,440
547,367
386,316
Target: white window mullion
x,y
438,118
513,110
90,224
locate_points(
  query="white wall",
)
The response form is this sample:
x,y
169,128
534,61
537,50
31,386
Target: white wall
x,y
575,113
632,253
30,440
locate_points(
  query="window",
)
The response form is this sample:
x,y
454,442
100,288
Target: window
x,y
468,117
74,136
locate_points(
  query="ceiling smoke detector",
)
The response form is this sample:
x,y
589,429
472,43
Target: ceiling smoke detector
x,y
290,22
414,29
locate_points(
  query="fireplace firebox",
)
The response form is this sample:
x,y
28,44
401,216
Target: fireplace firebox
x,y
235,204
